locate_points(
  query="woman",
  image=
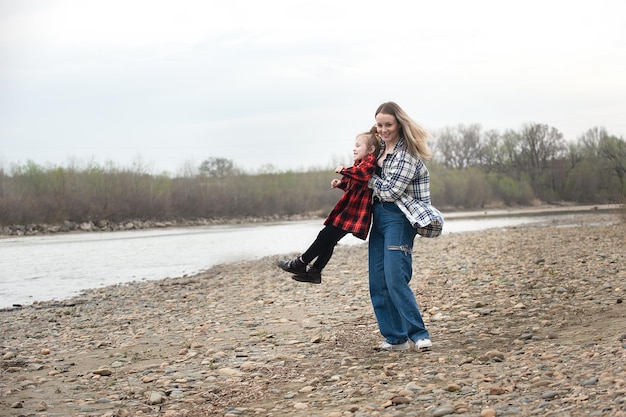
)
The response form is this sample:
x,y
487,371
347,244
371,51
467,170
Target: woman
x,y
401,210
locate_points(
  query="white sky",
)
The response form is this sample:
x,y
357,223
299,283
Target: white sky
x,y
290,83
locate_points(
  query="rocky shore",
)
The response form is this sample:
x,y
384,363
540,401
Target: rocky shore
x,y
33,229
525,321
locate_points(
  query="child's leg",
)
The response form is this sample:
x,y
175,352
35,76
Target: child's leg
x,y
322,249
328,238
298,265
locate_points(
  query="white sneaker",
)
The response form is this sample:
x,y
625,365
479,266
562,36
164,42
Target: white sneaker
x,y
423,344
400,346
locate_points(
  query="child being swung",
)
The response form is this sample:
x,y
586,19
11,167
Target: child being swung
x,y
351,214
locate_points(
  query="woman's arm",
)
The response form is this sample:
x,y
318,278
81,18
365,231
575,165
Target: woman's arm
x,y
400,170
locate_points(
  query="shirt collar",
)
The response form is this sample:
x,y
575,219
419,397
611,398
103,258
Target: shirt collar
x,y
399,144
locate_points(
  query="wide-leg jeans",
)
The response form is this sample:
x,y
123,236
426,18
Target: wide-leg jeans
x,y
390,271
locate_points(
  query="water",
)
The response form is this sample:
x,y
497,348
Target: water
x,y
56,267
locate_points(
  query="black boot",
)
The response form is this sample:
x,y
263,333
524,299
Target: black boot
x,y
295,266
313,275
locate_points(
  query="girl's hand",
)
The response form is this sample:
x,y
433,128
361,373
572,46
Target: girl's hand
x,y
338,169
334,183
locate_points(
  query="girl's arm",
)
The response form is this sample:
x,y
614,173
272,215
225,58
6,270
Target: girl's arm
x,y
362,171
399,172
342,183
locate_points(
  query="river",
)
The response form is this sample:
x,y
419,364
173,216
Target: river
x,y
56,267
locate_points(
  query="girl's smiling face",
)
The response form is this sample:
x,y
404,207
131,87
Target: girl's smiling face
x,y
387,127
361,149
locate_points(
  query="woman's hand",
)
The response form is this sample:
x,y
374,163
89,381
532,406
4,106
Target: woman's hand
x,y
334,183
339,169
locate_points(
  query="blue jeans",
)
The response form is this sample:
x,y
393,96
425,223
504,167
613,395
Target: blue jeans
x,y
390,270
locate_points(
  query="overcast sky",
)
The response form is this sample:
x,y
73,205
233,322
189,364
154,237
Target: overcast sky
x,y
290,83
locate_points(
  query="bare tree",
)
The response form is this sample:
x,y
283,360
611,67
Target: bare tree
x,y
613,149
459,146
492,156
511,149
470,144
540,144
218,167
591,140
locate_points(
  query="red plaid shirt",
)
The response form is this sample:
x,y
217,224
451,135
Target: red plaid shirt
x,y
353,211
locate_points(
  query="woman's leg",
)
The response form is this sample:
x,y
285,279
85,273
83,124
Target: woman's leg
x,y
398,273
401,318
390,321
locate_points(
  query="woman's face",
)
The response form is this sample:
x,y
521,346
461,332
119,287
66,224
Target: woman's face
x,y
387,127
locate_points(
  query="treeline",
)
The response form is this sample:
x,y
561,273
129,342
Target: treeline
x,y
472,169
535,162
34,194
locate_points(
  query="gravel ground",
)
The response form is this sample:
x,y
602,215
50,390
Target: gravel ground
x,y
525,321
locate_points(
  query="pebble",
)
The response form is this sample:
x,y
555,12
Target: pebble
x,y
443,411
524,321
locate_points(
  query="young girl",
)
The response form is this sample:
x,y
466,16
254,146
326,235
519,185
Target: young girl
x,y
351,214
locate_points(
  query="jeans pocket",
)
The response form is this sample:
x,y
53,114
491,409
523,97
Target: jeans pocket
x,y
391,208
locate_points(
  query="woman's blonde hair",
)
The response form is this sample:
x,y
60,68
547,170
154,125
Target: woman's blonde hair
x,y
414,135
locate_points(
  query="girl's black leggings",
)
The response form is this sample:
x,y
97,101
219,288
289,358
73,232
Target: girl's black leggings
x,y
323,246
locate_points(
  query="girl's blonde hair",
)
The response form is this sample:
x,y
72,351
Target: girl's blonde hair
x,y
414,135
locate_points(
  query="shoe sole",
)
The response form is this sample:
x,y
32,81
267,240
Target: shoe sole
x,y
302,278
291,271
379,349
392,349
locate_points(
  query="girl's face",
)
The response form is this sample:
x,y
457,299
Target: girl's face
x,y
387,127
360,148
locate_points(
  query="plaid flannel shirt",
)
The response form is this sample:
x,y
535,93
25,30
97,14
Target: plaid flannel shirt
x,y
406,182
353,211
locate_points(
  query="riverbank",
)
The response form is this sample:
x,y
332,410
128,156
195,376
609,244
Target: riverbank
x,y
525,321
37,229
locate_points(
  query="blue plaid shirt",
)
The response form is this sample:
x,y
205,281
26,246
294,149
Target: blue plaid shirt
x,y
406,182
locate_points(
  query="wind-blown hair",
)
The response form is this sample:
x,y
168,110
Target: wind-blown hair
x,y
414,135
372,139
